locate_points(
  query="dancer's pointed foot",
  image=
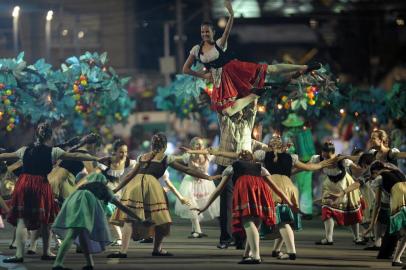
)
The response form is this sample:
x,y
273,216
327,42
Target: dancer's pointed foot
x,y
250,260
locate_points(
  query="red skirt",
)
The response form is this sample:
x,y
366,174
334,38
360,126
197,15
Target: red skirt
x,y
252,197
237,80
342,217
32,201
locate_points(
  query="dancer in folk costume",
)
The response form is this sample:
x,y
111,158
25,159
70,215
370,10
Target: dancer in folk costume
x,y
234,81
379,142
33,205
280,164
196,190
252,201
389,180
62,178
82,218
116,167
145,196
347,211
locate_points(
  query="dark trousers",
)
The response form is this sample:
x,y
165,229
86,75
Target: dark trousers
x,y
226,211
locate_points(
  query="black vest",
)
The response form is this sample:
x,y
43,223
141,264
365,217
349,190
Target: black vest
x,y
282,166
73,166
37,160
222,60
241,168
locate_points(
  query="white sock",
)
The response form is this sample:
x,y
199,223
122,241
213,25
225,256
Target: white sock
x,y
33,240
289,238
252,237
329,227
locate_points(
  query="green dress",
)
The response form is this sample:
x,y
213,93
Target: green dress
x,y
84,210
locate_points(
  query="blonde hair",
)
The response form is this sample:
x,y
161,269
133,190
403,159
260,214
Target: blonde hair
x,y
382,135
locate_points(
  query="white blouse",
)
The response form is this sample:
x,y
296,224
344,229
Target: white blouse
x,y
209,56
56,153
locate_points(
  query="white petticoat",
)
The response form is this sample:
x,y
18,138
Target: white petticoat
x,y
198,192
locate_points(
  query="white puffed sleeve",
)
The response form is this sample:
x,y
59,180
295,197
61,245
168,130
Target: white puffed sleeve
x,y
259,155
228,171
195,51
20,152
264,172
57,153
347,163
295,159
315,159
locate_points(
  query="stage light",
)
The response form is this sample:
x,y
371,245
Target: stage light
x,y
50,14
16,12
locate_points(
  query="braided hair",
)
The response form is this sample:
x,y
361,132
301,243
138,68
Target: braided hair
x,y
158,142
43,133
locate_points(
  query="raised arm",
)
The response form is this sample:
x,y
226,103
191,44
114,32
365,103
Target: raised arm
x,y
7,156
400,155
314,166
195,173
127,178
229,25
78,156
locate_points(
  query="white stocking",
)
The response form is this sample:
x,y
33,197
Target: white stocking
x,y
400,247
127,233
196,225
329,227
355,231
277,246
289,238
379,229
252,233
21,237
33,240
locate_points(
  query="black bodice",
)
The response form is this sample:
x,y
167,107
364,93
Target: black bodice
x,y
282,166
390,178
222,60
154,168
37,160
241,168
73,166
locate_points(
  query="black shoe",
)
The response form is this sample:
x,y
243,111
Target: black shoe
x,y
276,253
12,247
31,252
61,268
48,257
117,255
222,245
195,235
162,254
146,240
250,260
289,256
360,242
397,264
79,249
324,243
87,267
13,259
372,248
